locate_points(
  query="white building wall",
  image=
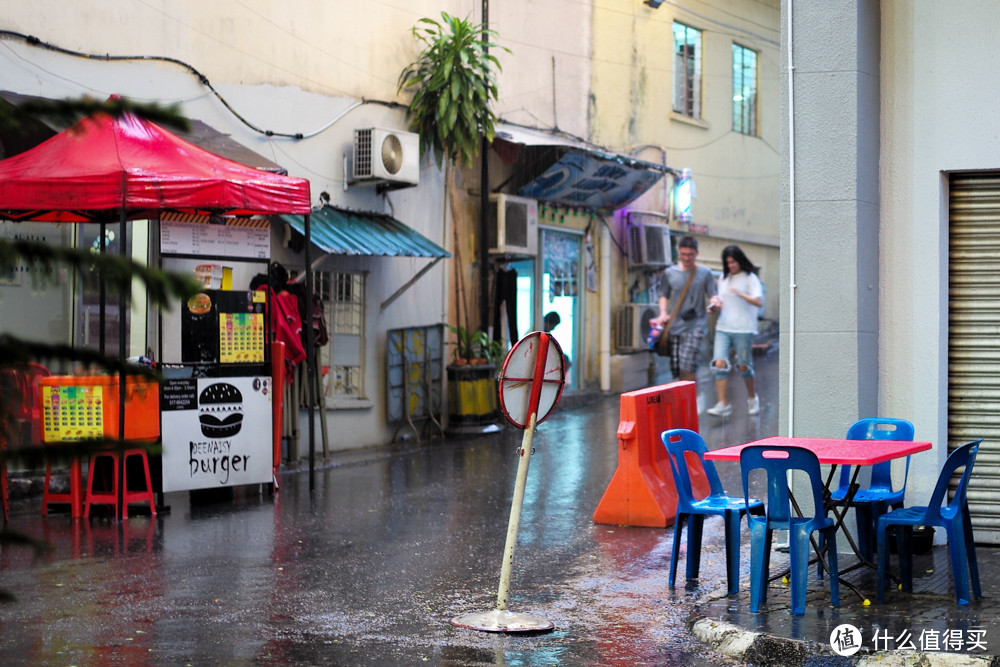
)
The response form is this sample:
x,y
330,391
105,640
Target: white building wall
x,y
937,116
302,67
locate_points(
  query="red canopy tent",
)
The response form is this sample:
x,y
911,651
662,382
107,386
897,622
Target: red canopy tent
x,y
106,168
112,169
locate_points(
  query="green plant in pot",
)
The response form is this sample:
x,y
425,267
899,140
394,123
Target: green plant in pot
x,y
475,348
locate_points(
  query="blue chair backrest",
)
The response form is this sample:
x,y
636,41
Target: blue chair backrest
x,y
879,428
963,456
678,442
776,462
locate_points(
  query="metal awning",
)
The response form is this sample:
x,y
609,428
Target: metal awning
x,y
342,232
569,171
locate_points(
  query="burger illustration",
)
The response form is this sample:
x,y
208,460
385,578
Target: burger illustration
x,y
220,410
199,304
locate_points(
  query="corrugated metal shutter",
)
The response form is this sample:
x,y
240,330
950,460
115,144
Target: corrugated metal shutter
x,y
974,339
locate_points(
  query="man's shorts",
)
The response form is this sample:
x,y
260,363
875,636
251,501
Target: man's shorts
x,y
684,352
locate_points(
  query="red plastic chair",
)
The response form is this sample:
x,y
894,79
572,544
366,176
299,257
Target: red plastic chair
x,y
22,400
21,416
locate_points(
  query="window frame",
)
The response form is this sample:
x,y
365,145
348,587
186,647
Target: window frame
x,y
327,287
745,120
687,71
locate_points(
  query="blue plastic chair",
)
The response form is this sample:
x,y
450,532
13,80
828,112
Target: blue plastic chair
x,y
679,442
953,517
777,462
871,503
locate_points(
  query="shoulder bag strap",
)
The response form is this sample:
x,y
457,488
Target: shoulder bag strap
x,y
677,306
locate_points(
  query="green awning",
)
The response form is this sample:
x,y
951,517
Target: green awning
x,y
342,232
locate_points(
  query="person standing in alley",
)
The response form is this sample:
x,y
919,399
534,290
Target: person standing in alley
x,y
742,296
687,295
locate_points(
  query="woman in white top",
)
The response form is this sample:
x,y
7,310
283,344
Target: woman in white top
x,y
741,294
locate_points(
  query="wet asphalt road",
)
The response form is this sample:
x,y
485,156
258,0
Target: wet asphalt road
x,y
369,567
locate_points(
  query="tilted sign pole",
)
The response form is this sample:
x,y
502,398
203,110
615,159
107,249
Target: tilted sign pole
x,y
539,353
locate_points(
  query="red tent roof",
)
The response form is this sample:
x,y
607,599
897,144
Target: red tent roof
x,y
103,164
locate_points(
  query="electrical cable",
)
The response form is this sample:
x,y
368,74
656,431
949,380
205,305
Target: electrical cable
x,y
31,40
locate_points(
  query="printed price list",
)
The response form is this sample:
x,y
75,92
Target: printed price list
x,y
241,338
72,413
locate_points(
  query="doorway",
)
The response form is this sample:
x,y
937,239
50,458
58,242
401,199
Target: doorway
x,y
559,310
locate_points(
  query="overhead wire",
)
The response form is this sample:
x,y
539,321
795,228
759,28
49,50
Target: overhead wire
x,y
202,79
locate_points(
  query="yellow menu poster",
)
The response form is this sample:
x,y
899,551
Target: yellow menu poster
x,y
241,338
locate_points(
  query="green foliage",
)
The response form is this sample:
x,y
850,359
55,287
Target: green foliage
x,y
454,80
69,111
476,345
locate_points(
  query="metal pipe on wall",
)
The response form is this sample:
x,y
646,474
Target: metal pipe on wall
x,y
791,226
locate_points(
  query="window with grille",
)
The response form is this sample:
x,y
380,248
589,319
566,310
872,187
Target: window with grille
x,y
343,295
744,90
687,70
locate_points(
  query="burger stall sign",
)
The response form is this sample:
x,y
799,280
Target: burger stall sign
x,y
216,432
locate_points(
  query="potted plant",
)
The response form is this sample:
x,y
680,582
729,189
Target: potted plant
x,y
472,385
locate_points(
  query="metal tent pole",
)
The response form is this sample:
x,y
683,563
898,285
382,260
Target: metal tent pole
x,y
310,357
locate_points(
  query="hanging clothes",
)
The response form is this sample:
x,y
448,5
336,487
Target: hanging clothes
x,y
505,292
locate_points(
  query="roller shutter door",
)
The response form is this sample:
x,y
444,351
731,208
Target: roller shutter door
x,y
974,339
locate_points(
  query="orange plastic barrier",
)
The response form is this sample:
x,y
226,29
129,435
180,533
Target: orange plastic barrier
x,y
642,492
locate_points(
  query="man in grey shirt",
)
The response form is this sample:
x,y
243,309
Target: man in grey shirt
x,y
691,321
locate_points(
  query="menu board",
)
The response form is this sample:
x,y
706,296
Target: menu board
x,y
241,338
185,238
72,412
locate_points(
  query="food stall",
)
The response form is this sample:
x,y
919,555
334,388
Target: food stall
x,y
217,390
107,170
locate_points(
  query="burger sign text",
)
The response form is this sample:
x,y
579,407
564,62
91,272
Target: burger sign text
x,y
216,432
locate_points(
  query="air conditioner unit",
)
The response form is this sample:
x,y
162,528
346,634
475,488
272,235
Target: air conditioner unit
x,y
649,245
513,225
386,155
633,326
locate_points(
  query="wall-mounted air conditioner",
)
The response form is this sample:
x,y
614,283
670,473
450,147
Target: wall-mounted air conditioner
x,y
648,245
390,156
632,326
513,225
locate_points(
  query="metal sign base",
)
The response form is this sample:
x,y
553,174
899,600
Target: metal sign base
x,y
502,621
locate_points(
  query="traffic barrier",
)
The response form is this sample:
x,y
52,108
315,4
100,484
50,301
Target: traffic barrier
x,y
642,492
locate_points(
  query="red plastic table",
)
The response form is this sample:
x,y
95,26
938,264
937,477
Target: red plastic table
x,y
834,452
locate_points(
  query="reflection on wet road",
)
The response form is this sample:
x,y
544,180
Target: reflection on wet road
x,y
370,567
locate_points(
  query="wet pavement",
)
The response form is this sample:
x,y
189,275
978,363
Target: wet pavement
x,y
369,567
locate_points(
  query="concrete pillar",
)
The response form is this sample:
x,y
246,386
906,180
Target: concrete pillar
x,y
829,338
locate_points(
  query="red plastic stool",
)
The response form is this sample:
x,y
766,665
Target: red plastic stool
x,y
73,497
110,496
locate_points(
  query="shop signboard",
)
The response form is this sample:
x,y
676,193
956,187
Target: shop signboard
x,y
216,432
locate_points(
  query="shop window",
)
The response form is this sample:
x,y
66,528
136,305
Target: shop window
x,y
343,358
744,90
687,70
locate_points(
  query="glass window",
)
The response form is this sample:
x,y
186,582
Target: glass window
x,y
343,358
687,70
744,90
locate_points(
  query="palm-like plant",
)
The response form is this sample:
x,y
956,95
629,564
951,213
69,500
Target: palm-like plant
x,y
454,80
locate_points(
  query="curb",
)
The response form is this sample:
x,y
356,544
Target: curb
x,y
756,648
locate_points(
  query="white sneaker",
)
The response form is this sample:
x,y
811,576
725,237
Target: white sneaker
x,y
721,409
753,406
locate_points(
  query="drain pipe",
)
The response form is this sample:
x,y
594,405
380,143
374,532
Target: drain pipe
x,y
605,319
791,226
